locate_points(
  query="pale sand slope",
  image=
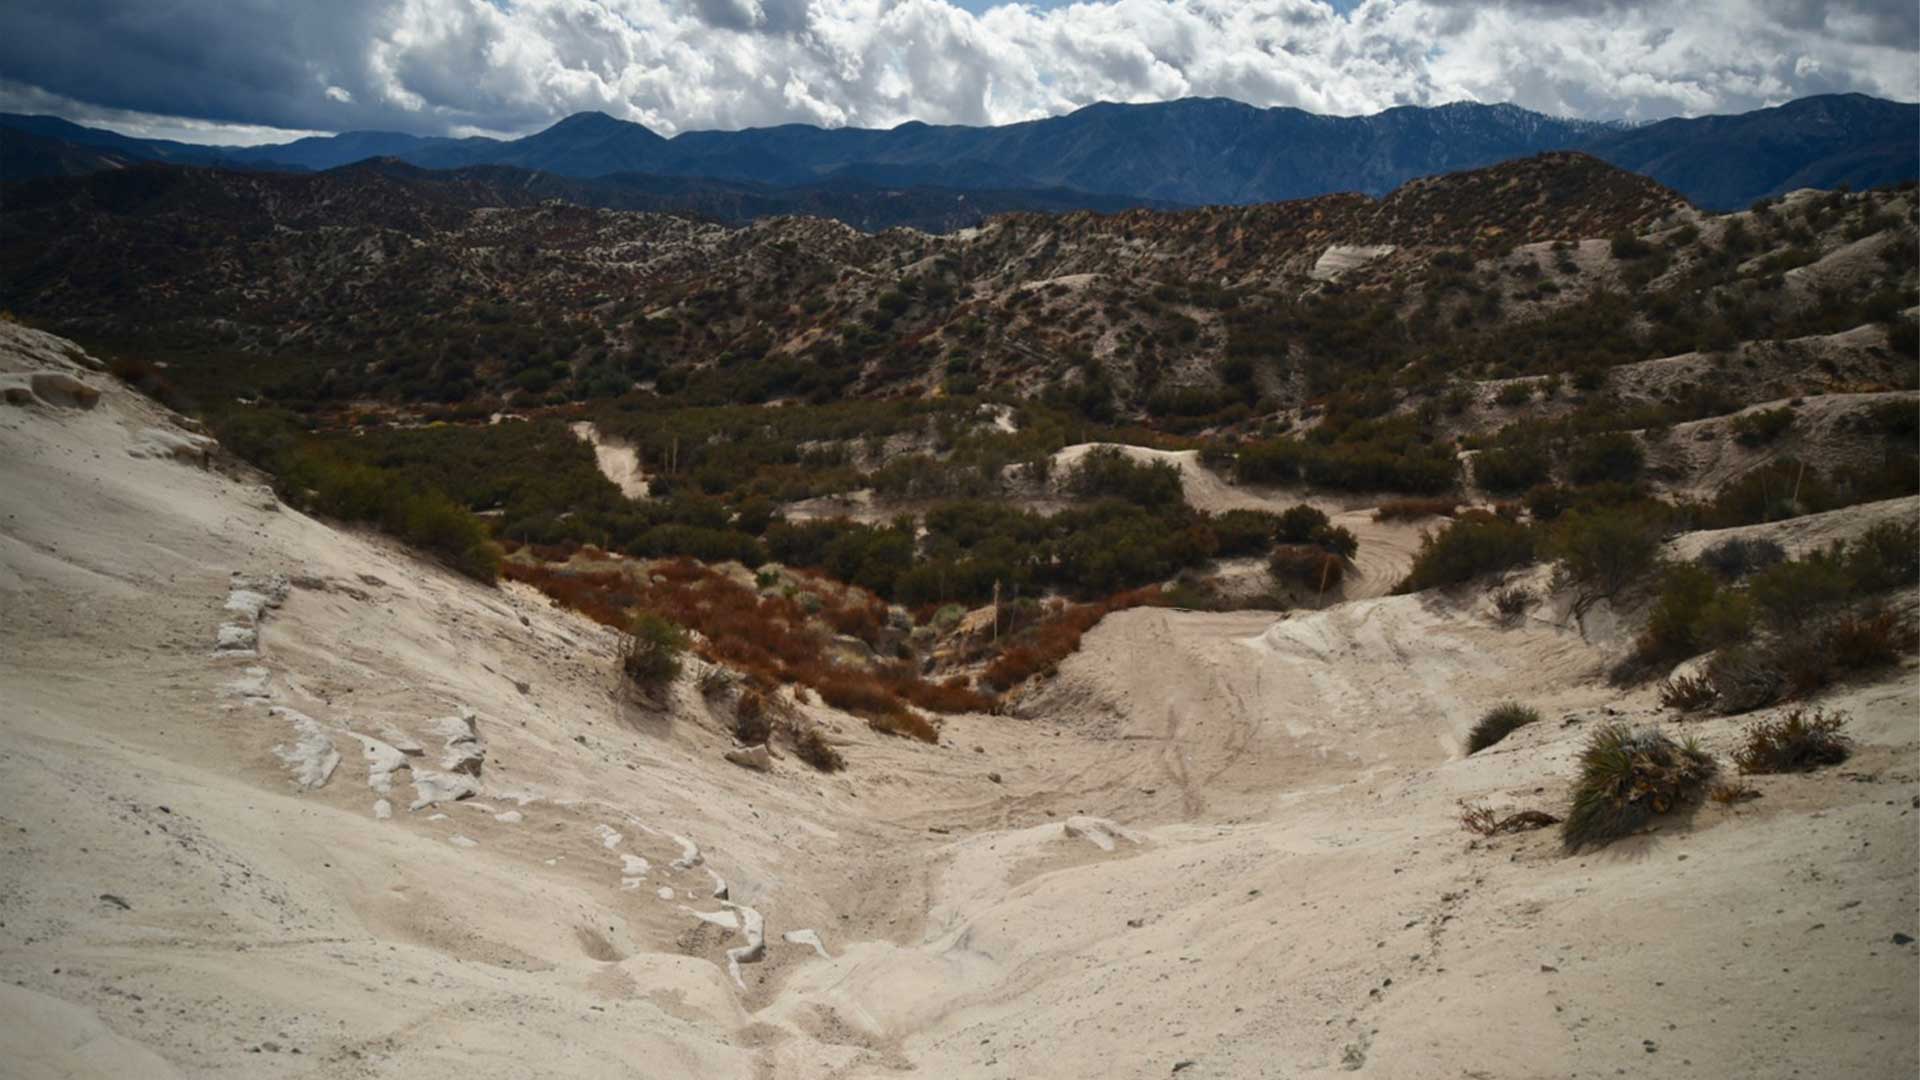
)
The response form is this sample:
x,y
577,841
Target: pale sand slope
x,y
619,462
1287,891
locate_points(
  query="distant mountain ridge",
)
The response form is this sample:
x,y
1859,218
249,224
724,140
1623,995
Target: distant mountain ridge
x,y
1191,151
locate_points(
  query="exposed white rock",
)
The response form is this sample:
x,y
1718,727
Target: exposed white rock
x,y
177,445
755,950
435,787
1340,258
1099,832
807,937
382,759
310,755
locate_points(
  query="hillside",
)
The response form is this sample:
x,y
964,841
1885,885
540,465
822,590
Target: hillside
x,y
283,799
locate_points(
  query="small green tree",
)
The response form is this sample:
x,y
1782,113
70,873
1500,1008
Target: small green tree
x,y
651,653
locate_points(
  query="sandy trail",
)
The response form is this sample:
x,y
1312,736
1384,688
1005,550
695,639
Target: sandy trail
x,y
618,461
1282,890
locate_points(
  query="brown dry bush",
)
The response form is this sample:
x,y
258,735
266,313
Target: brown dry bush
x,y
811,746
1512,603
1480,818
1410,509
908,724
1687,693
1798,741
767,638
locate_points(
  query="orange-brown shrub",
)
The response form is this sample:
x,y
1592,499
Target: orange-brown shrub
x,y
907,725
1057,637
768,638
1409,509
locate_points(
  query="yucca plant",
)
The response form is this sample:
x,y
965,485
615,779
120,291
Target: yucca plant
x,y
1629,776
1500,722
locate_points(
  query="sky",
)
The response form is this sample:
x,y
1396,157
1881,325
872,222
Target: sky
x,y
251,71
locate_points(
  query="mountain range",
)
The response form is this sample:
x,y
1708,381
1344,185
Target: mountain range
x,y
1106,156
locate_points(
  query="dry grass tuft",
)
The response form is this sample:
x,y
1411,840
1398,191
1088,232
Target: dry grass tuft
x,y
1799,741
1687,693
1512,603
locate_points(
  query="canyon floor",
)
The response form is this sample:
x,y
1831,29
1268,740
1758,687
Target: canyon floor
x,y
280,799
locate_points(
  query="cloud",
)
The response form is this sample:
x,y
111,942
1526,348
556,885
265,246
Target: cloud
x,y
441,66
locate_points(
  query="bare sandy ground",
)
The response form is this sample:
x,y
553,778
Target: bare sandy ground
x,y
1220,845
619,462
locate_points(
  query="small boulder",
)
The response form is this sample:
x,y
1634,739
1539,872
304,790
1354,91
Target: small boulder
x,y
752,757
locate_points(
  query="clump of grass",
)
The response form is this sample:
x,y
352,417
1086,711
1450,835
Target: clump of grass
x,y
811,746
651,653
1799,741
1512,603
1629,776
1500,722
1687,693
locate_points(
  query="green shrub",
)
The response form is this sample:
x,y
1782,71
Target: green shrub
x,y
1500,722
1761,427
651,653
1512,468
1628,777
1604,551
1514,394
1799,741
1298,524
1789,593
1672,631
1628,246
1307,565
1886,556
1610,456
1244,532
1107,472
1474,543
1737,557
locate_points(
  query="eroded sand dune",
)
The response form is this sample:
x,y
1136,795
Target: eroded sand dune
x,y
1225,844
